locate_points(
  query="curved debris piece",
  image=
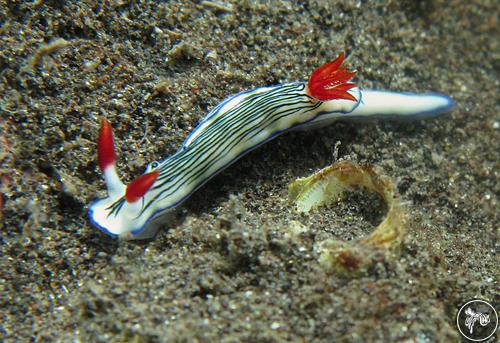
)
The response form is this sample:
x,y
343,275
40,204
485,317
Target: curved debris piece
x,y
326,186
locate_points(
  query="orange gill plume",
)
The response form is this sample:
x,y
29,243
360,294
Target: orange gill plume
x,y
330,81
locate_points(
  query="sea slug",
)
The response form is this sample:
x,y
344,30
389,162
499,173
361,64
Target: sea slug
x,y
239,124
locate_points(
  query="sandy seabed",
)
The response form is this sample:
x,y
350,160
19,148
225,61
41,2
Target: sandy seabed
x,y
231,267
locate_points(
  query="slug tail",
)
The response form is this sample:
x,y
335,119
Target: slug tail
x,y
401,105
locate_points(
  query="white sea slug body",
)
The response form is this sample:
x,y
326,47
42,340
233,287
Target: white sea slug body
x,y
237,125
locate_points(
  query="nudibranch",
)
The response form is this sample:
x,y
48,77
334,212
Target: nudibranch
x,y
236,126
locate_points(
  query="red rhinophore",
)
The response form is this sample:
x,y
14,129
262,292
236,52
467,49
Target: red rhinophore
x,y
105,145
329,82
137,188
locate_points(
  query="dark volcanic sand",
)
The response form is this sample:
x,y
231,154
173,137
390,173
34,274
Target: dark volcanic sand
x,y
228,269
